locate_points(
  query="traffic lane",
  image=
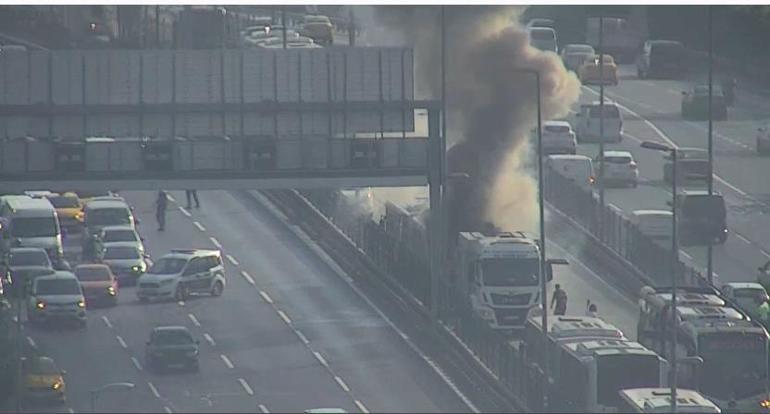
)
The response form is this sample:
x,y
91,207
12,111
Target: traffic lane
x,y
92,358
269,362
357,343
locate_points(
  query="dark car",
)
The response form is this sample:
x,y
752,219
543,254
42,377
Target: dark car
x,y
692,164
171,347
661,59
23,264
695,104
702,218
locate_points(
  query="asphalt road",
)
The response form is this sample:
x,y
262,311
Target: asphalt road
x,y
288,334
651,111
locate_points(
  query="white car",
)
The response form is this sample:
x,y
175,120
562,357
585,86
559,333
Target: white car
x,y
620,168
587,122
763,140
574,55
748,295
558,138
576,168
181,273
56,297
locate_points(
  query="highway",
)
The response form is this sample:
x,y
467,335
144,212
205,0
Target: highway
x,y
651,111
288,334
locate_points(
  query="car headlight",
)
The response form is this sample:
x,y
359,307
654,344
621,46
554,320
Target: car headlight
x,y
81,303
166,282
57,385
765,404
136,269
111,291
40,304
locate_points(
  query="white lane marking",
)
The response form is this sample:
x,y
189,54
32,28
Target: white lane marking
x,y
70,410
107,322
247,277
184,211
15,319
245,386
167,410
209,339
136,363
122,342
743,239
361,407
232,260
263,409
180,303
154,390
215,242
199,226
320,358
685,254
193,319
266,297
270,206
447,380
31,342
342,383
227,361
283,316
301,336
171,198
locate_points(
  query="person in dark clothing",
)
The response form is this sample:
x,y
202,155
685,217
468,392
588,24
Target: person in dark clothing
x,y
160,209
192,194
559,301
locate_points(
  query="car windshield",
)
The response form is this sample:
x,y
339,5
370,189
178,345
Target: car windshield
x,y
749,293
29,258
125,235
107,216
610,111
673,50
64,201
92,273
121,253
579,49
510,272
704,206
703,90
557,129
172,337
92,193
541,35
34,227
40,366
316,20
57,287
168,265
617,159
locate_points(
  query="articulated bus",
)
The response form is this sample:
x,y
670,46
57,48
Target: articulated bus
x,y
733,348
658,400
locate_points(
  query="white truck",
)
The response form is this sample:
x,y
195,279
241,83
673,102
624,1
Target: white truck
x,y
501,275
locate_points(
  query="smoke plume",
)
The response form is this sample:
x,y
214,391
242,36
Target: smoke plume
x,y
491,104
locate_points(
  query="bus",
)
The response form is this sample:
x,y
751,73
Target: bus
x,y
733,347
590,362
658,400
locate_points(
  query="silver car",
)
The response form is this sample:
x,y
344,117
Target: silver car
x,y
125,260
57,296
24,264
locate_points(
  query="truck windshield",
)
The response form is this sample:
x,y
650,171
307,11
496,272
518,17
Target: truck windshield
x,y
34,227
107,216
734,365
510,272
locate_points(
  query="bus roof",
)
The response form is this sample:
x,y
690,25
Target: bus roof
x,y
603,347
578,326
658,400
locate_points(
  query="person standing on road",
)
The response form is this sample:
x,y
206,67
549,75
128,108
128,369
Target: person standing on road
x,y
592,310
192,194
160,209
559,301
763,309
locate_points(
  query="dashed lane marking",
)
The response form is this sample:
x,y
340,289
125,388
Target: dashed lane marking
x,y
320,358
121,342
209,339
266,297
361,407
31,342
227,361
301,336
215,242
246,386
71,411
184,211
180,303
342,384
284,316
247,277
167,410
193,319
263,409
136,363
199,226
171,198
107,322
743,239
232,260
154,390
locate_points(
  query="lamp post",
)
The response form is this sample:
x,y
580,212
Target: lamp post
x,y
112,386
710,251
601,114
674,258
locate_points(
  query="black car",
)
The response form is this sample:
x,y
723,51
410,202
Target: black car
x,y
171,347
692,164
695,104
702,218
664,59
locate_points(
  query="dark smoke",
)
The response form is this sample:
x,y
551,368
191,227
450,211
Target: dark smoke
x,y
491,104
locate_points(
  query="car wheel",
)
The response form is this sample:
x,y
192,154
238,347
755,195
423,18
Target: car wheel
x,y
722,238
180,293
217,289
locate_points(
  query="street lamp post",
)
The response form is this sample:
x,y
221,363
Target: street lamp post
x,y
601,112
112,386
710,251
674,259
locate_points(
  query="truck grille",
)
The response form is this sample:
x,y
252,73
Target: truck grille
x,y
510,300
510,316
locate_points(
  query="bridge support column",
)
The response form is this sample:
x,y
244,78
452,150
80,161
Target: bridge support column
x,y
435,160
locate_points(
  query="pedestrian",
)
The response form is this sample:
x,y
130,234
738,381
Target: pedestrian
x,y
763,309
592,310
194,195
160,209
559,301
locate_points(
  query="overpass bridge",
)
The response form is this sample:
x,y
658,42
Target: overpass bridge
x,y
225,119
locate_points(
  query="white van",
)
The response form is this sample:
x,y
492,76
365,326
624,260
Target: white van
x,y
543,38
653,223
577,168
30,222
588,119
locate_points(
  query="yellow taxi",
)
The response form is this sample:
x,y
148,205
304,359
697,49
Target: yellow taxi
x,y
69,208
589,71
43,380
